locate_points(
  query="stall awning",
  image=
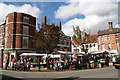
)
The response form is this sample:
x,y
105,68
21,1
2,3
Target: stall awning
x,y
33,54
98,52
69,53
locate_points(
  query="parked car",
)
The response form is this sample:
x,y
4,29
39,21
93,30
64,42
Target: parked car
x,y
117,63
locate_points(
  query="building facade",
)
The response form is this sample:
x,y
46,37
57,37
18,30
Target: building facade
x,y
64,43
109,39
17,35
91,46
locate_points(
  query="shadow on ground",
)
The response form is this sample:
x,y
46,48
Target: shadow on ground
x,y
5,77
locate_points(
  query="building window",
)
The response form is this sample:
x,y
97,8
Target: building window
x,y
108,38
1,30
94,45
5,42
67,43
26,19
76,50
116,36
26,30
25,42
117,40
0,41
6,31
117,45
109,46
62,42
102,38
102,46
7,20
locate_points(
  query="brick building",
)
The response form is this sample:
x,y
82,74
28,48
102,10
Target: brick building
x,y
109,39
17,35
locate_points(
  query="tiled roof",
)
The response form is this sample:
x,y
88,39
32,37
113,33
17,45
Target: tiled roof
x,y
108,31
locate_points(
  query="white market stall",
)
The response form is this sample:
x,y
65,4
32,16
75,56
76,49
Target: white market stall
x,y
33,54
71,54
34,64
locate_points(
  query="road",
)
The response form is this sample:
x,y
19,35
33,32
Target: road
x,y
109,73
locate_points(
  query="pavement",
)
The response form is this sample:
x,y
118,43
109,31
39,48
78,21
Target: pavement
x,y
107,73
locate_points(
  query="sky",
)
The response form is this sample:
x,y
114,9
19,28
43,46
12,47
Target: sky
x,y
89,15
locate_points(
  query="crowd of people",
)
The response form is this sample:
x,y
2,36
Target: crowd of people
x,y
76,63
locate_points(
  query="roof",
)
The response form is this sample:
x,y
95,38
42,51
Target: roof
x,y
108,31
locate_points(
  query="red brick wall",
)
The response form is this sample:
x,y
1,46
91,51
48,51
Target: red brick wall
x,y
19,29
112,41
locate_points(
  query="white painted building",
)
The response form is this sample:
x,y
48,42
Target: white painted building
x,y
91,47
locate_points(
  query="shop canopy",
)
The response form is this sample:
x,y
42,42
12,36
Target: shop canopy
x,y
33,54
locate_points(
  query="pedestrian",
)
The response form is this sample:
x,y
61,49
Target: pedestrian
x,y
113,60
102,61
39,63
107,60
14,63
25,64
28,65
7,62
96,62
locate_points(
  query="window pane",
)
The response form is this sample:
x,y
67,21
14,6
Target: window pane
x,y
6,31
25,30
26,19
1,30
7,20
25,42
0,41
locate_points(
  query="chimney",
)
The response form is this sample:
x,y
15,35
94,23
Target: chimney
x,y
110,25
59,25
43,20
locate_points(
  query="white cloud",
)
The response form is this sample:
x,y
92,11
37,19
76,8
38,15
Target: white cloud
x,y
97,14
26,8
117,26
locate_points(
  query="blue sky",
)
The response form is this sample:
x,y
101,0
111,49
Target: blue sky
x,y
47,8
89,15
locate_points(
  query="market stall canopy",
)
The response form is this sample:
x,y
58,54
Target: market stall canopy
x,y
69,53
99,52
114,52
33,54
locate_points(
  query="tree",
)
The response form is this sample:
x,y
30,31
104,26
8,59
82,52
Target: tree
x,y
82,39
47,38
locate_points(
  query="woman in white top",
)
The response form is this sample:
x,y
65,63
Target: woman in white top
x,y
113,60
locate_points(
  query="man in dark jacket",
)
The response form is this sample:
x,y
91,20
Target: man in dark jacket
x,y
107,61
